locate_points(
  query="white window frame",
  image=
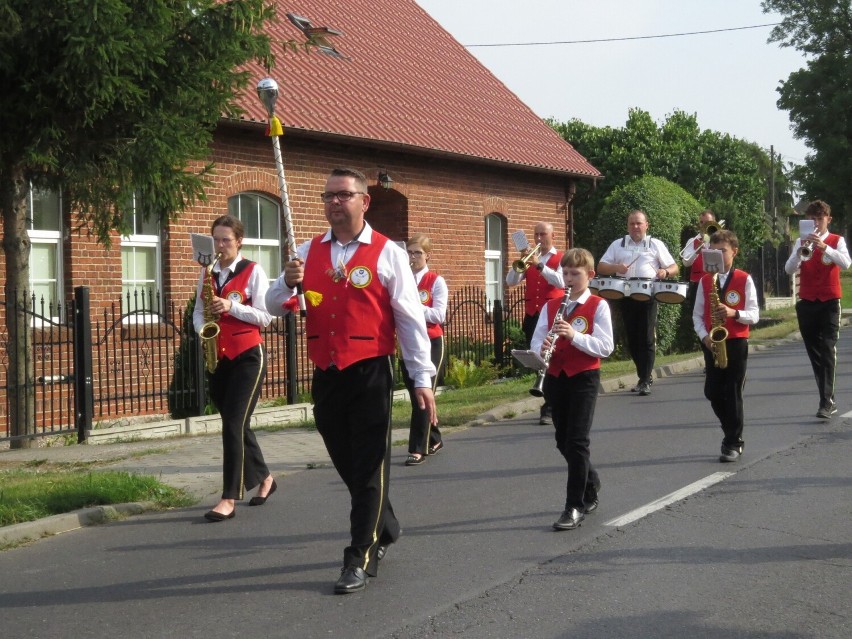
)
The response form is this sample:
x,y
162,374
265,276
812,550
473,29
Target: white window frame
x,y
494,256
145,241
256,241
49,238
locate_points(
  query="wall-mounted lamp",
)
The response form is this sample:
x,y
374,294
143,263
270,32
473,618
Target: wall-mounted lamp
x,y
385,180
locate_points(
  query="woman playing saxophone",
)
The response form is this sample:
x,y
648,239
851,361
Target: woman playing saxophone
x,y
725,307
572,343
232,294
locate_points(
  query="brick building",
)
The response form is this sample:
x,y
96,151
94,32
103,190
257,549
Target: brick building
x,y
470,163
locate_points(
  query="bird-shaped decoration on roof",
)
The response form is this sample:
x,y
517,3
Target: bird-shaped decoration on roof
x,y
317,36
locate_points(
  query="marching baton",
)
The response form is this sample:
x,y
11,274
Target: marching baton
x,y
267,91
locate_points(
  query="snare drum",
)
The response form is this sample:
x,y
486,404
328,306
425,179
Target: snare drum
x,y
640,289
612,287
670,291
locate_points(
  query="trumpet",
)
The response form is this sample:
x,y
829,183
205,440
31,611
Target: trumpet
x,y
538,388
705,232
521,265
806,250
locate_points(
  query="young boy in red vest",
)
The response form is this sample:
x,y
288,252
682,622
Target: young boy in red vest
x,y
578,339
818,308
736,310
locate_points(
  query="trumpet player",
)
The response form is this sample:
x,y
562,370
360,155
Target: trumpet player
x,y
577,341
543,283
727,299
691,253
818,307
238,301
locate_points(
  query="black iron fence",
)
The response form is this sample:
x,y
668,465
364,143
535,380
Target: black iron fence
x,y
140,357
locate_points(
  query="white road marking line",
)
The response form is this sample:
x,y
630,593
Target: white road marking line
x,y
671,498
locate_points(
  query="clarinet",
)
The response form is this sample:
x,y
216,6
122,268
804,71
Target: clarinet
x,y
538,388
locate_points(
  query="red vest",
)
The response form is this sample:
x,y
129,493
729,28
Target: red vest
x,y
820,277
733,296
696,270
425,288
539,290
235,335
567,358
352,319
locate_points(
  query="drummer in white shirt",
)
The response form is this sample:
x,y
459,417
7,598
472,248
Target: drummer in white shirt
x,y
638,255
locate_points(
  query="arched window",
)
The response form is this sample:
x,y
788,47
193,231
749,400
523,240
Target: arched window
x,y
261,217
495,231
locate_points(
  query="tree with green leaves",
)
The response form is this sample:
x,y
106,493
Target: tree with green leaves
x,y
709,165
819,96
112,101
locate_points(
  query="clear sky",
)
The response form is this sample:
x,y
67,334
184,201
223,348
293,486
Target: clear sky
x,y
728,79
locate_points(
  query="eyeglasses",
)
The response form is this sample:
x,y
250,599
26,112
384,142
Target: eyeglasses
x,y
415,253
343,196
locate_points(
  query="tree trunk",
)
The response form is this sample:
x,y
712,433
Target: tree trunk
x,y
20,390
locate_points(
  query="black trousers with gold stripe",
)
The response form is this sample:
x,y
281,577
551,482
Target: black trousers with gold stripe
x,y
422,435
819,324
235,388
352,410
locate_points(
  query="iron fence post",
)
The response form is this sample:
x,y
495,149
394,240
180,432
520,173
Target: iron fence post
x,y
292,372
83,391
499,333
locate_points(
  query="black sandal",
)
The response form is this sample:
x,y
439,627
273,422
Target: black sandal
x,y
413,460
434,449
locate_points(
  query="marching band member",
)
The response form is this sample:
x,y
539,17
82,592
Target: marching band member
x,y
424,438
360,295
733,305
239,301
818,307
579,339
691,253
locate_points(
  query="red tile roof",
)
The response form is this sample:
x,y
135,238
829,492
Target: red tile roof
x,y
405,83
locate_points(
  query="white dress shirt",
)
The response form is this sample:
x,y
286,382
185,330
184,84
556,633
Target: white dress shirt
x,y
258,283
598,343
550,275
750,314
645,257
394,272
437,313
839,256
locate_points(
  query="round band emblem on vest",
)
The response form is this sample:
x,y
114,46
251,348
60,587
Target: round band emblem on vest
x,y
580,324
360,276
235,296
424,297
732,298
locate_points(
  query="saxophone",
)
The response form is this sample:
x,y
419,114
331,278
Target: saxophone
x,y
718,332
538,388
209,332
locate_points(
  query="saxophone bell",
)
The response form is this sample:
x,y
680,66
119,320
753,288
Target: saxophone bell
x,y
209,332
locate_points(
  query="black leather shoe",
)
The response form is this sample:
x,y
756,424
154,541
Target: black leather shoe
x,y
259,501
380,552
591,506
827,410
569,520
644,389
352,579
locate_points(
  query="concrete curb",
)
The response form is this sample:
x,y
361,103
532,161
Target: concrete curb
x,y
56,524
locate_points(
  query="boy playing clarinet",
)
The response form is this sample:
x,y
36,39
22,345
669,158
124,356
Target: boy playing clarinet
x,y
579,339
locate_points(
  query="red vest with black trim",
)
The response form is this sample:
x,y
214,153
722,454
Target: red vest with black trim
x,y
820,277
539,290
235,335
696,270
424,287
734,296
566,357
350,318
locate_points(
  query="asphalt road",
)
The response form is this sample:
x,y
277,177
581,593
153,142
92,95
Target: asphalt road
x,y
763,552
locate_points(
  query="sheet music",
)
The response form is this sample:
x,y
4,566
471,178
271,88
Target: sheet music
x,y
713,261
529,359
203,248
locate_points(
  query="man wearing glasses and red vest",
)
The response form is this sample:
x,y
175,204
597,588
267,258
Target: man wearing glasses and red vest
x,y
544,283
361,296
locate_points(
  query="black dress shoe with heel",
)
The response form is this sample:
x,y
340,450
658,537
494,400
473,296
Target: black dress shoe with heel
x,y
259,501
352,579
